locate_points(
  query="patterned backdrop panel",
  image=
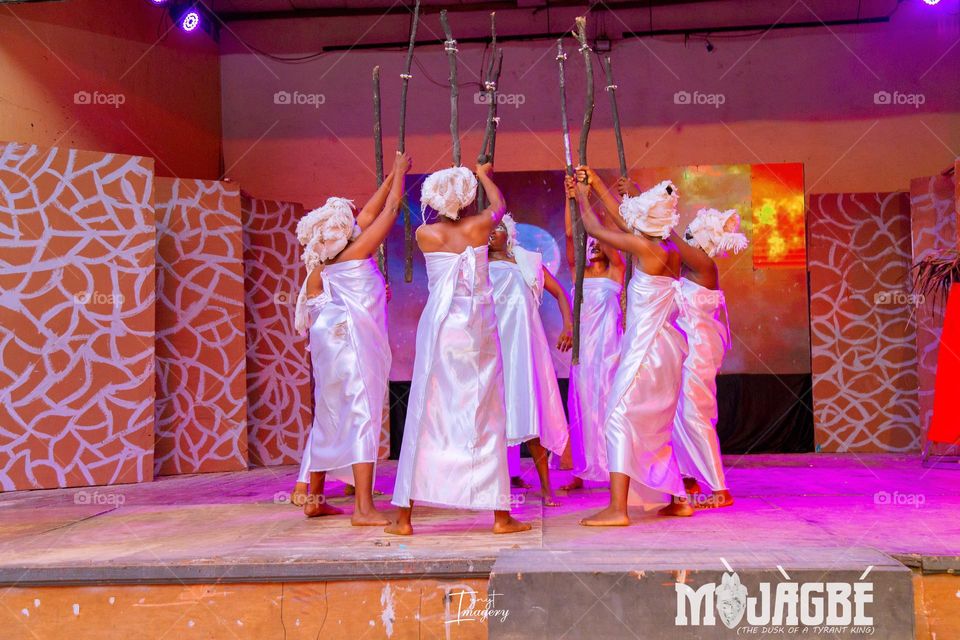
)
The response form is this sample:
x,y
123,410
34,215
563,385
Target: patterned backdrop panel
x,y
278,373
863,327
201,407
76,318
934,204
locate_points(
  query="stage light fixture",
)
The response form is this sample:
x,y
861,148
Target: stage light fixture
x,y
190,20
931,2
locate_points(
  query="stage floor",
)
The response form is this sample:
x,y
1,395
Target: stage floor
x,y
236,527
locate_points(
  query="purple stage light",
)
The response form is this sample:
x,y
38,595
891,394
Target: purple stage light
x,y
190,21
931,2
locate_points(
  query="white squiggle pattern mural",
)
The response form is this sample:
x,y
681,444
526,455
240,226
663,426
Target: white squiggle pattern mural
x,y
863,327
200,342
77,305
278,372
934,207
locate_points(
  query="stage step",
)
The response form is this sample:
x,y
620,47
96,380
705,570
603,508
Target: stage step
x,y
617,593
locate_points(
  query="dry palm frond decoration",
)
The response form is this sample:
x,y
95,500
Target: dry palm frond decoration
x,y
934,275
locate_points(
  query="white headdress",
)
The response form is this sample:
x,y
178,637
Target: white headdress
x,y
511,226
653,212
323,232
716,232
449,190
529,262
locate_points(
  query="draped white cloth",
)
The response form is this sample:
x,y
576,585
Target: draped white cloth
x,y
646,387
534,403
351,359
695,424
454,450
591,380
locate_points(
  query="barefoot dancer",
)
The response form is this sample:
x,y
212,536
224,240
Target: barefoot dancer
x,y
646,386
534,405
343,303
711,233
600,334
454,450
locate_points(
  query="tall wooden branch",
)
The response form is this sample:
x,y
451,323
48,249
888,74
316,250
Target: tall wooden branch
x,y
490,89
575,218
401,145
450,46
492,147
378,160
622,157
579,235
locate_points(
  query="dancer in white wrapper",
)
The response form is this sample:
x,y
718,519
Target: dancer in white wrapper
x,y
712,233
601,329
646,386
343,306
454,450
534,404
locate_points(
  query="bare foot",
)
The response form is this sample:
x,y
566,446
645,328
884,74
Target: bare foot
x,y
609,517
371,518
690,485
299,495
399,528
716,500
576,483
550,500
315,508
678,507
511,525
516,482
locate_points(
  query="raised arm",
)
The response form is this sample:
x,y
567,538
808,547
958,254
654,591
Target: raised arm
x,y
570,191
498,206
624,241
565,341
373,235
611,203
375,204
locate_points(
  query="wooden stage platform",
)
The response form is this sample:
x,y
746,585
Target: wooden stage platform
x,y
225,555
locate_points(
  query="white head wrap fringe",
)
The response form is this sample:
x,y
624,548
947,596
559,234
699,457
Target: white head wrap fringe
x,y
448,191
653,212
323,232
530,263
716,232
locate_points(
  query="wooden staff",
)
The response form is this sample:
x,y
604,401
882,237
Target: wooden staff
x,y
622,157
579,236
490,88
378,160
575,219
450,46
496,107
401,145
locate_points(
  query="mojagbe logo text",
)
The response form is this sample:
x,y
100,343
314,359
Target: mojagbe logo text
x,y
781,608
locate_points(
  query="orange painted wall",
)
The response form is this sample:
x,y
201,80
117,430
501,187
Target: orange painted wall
x,y
159,89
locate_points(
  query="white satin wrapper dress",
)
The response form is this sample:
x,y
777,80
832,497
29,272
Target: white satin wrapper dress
x,y
591,380
350,352
646,387
532,395
454,450
695,425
